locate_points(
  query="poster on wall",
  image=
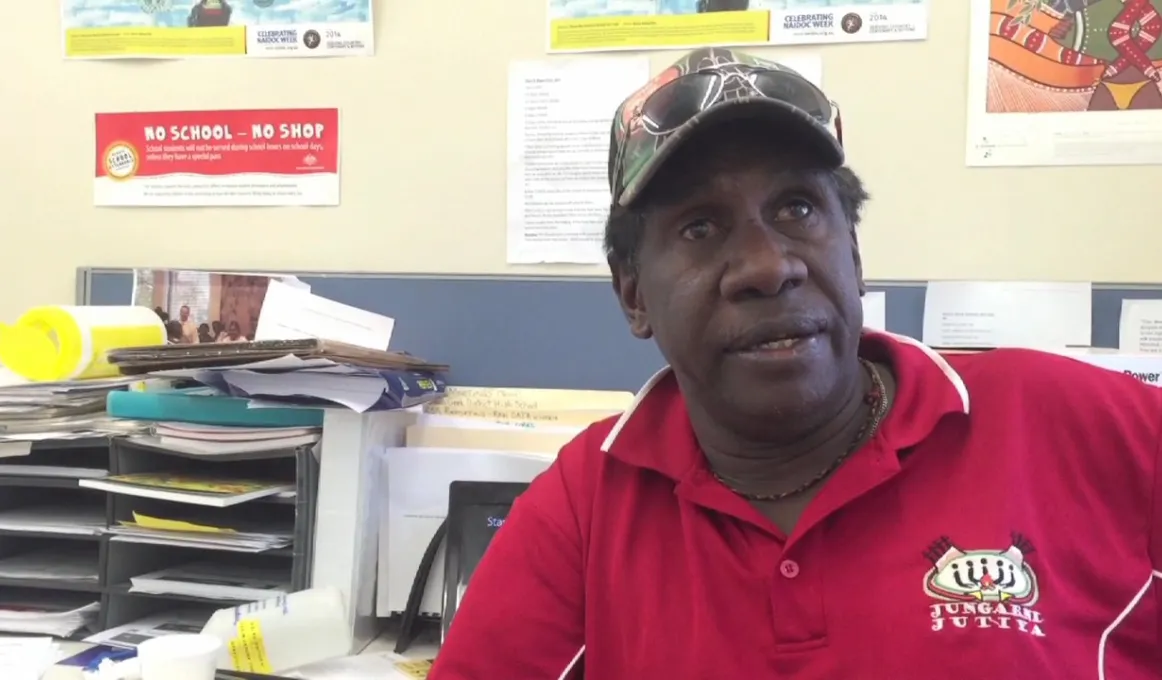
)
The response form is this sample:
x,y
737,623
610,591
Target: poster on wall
x,y
1064,82
250,157
199,306
167,29
559,116
558,154
601,25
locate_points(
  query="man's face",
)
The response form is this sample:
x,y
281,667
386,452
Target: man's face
x,y
184,313
749,275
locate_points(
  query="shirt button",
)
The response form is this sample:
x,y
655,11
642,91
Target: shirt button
x,y
789,568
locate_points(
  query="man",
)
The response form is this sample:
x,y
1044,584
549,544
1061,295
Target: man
x,y
234,333
209,14
794,497
723,5
189,327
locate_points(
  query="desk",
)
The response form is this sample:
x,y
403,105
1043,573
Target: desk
x,y
381,645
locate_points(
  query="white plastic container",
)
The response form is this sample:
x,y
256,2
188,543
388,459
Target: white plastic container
x,y
281,633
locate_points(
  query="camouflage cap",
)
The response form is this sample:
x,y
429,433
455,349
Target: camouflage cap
x,y
637,150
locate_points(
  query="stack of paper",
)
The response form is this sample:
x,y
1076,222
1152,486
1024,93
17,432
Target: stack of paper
x,y
52,471
218,492
219,536
320,381
221,440
168,623
52,564
48,612
61,410
214,581
79,520
25,658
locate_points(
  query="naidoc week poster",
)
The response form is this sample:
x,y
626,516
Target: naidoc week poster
x,y
600,25
168,29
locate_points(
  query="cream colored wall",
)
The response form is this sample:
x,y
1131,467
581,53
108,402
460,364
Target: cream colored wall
x,y
423,161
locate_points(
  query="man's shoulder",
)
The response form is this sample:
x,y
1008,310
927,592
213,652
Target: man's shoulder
x,y
565,491
1050,383
1009,365
585,453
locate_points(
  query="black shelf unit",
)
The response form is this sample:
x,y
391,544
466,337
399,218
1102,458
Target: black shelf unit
x,y
118,560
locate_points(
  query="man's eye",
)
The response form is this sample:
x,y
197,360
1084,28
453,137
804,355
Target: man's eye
x,y
796,209
696,231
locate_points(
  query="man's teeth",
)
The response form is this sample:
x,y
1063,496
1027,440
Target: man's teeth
x,y
785,343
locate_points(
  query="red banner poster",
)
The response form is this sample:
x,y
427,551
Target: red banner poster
x,y
252,157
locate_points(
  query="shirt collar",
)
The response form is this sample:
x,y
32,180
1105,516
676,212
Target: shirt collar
x,y
655,431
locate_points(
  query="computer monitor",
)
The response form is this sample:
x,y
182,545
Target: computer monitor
x,y
475,511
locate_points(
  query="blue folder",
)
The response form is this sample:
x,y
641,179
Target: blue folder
x,y
187,406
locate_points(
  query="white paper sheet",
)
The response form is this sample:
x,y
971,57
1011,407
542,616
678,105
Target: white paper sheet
x,y
26,658
1070,119
290,312
416,503
1038,315
875,310
559,114
1140,329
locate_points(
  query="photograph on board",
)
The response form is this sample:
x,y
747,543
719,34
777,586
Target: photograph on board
x,y
602,25
165,29
202,307
1065,82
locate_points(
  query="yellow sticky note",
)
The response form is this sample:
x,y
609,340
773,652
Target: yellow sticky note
x,y
469,401
248,648
417,669
159,524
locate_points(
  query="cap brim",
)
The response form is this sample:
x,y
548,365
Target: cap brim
x,y
787,118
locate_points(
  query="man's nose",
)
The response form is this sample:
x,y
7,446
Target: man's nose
x,y
760,262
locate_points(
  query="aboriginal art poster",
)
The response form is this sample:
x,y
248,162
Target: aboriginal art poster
x,y
1065,82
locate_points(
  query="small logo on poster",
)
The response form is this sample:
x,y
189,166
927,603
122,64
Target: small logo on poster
x,y
312,39
121,161
851,23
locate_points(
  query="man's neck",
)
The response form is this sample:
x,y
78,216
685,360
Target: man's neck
x,y
756,466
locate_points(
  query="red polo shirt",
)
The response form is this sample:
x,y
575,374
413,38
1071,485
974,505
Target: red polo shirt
x,y
999,525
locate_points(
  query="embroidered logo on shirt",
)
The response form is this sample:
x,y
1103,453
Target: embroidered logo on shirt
x,y
983,589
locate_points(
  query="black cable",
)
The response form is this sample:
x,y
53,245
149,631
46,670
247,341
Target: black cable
x,y
411,613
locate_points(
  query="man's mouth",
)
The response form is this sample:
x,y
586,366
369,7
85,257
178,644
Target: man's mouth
x,y
771,337
782,343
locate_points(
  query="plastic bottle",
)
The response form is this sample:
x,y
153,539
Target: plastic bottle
x,y
282,633
69,343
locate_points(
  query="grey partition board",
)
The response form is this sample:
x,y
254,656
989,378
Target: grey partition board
x,y
548,332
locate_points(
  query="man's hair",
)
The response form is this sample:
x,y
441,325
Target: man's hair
x,y
625,226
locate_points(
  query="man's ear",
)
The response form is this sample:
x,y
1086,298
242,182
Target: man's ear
x,y
858,259
625,286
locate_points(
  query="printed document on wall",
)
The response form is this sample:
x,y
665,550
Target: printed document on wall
x,y
559,114
875,310
168,29
596,25
249,157
986,314
1072,87
1140,329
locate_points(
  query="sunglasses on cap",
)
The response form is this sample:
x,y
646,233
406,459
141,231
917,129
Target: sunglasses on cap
x,y
685,98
